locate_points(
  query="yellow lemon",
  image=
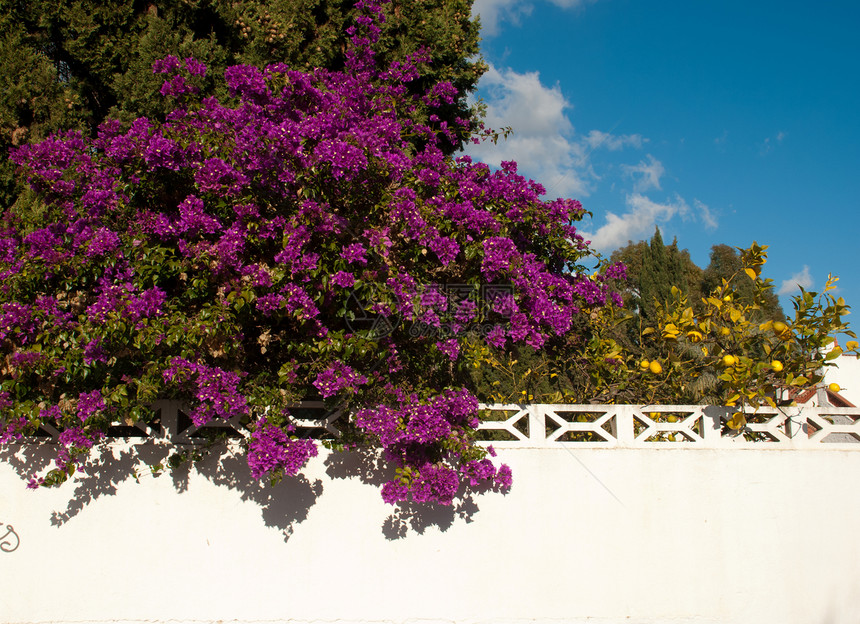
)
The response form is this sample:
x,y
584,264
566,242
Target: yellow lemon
x,y
655,368
729,360
851,345
776,365
644,364
834,387
780,329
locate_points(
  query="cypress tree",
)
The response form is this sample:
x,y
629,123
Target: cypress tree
x,y
632,256
655,281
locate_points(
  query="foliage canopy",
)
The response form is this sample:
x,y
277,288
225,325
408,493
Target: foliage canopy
x,y
69,65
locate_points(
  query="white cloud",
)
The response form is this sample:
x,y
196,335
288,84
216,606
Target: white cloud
x,y
547,147
543,137
522,101
707,217
544,141
494,11
797,281
637,223
768,143
613,142
648,173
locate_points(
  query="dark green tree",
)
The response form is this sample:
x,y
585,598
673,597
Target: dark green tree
x,y
633,257
690,275
655,281
652,270
69,64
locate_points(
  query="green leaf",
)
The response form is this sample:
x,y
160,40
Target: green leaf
x,y
834,353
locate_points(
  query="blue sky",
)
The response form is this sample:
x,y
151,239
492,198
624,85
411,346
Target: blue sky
x,y
718,121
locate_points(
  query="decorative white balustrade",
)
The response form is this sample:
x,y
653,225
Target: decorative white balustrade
x,y
671,426
583,426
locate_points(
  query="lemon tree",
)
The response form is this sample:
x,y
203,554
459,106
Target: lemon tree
x,y
721,353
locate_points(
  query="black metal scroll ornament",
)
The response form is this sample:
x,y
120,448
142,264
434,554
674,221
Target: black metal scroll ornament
x,y
6,544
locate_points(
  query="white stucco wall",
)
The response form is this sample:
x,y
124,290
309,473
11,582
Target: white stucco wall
x,y
847,374
585,535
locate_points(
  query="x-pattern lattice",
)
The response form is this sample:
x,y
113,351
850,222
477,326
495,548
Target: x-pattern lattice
x,y
515,421
684,426
541,425
675,425
581,423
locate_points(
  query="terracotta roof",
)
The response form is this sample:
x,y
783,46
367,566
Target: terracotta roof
x,y
837,400
801,397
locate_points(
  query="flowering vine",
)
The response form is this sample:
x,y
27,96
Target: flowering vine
x,y
228,254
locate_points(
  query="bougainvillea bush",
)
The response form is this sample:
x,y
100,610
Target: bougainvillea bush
x,y
304,239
